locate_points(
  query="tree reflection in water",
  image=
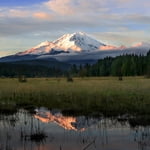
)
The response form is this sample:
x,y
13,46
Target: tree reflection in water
x,y
46,130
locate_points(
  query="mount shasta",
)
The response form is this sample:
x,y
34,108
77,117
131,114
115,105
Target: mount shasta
x,y
76,48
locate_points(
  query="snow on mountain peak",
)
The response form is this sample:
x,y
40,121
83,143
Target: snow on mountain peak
x,y
75,42
46,43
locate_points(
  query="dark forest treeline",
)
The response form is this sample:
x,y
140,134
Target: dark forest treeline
x,y
126,65
15,70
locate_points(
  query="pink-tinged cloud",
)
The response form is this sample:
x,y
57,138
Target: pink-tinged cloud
x,y
76,7
42,15
62,7
110,47
141,44
137,44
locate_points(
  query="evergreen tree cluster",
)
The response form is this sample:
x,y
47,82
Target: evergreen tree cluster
x,y
15,70
126,65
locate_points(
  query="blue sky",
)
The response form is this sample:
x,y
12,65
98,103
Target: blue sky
x,y
19,2
24,24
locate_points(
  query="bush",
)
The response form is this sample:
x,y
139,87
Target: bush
x,y
22,78
69,79
120,78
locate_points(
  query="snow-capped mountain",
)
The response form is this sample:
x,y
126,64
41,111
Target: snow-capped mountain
x,y
76,42
76,48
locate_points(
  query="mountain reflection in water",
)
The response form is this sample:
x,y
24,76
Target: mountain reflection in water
x,y
67,122
51,130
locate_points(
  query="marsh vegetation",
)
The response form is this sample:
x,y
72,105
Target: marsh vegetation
x,y
106,95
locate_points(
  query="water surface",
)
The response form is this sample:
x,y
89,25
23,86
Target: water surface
x,y
51,130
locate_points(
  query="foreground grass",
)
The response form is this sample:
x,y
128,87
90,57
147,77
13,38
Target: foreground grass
x,y
87,95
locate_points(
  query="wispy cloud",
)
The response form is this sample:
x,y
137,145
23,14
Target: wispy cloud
x,y
18,13
125,37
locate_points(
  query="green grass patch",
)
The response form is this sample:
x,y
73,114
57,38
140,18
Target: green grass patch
x,y
104,95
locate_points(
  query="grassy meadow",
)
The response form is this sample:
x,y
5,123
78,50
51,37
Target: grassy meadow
x,y
105,95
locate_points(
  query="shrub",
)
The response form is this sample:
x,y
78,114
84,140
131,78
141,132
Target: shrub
x,y
22,78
